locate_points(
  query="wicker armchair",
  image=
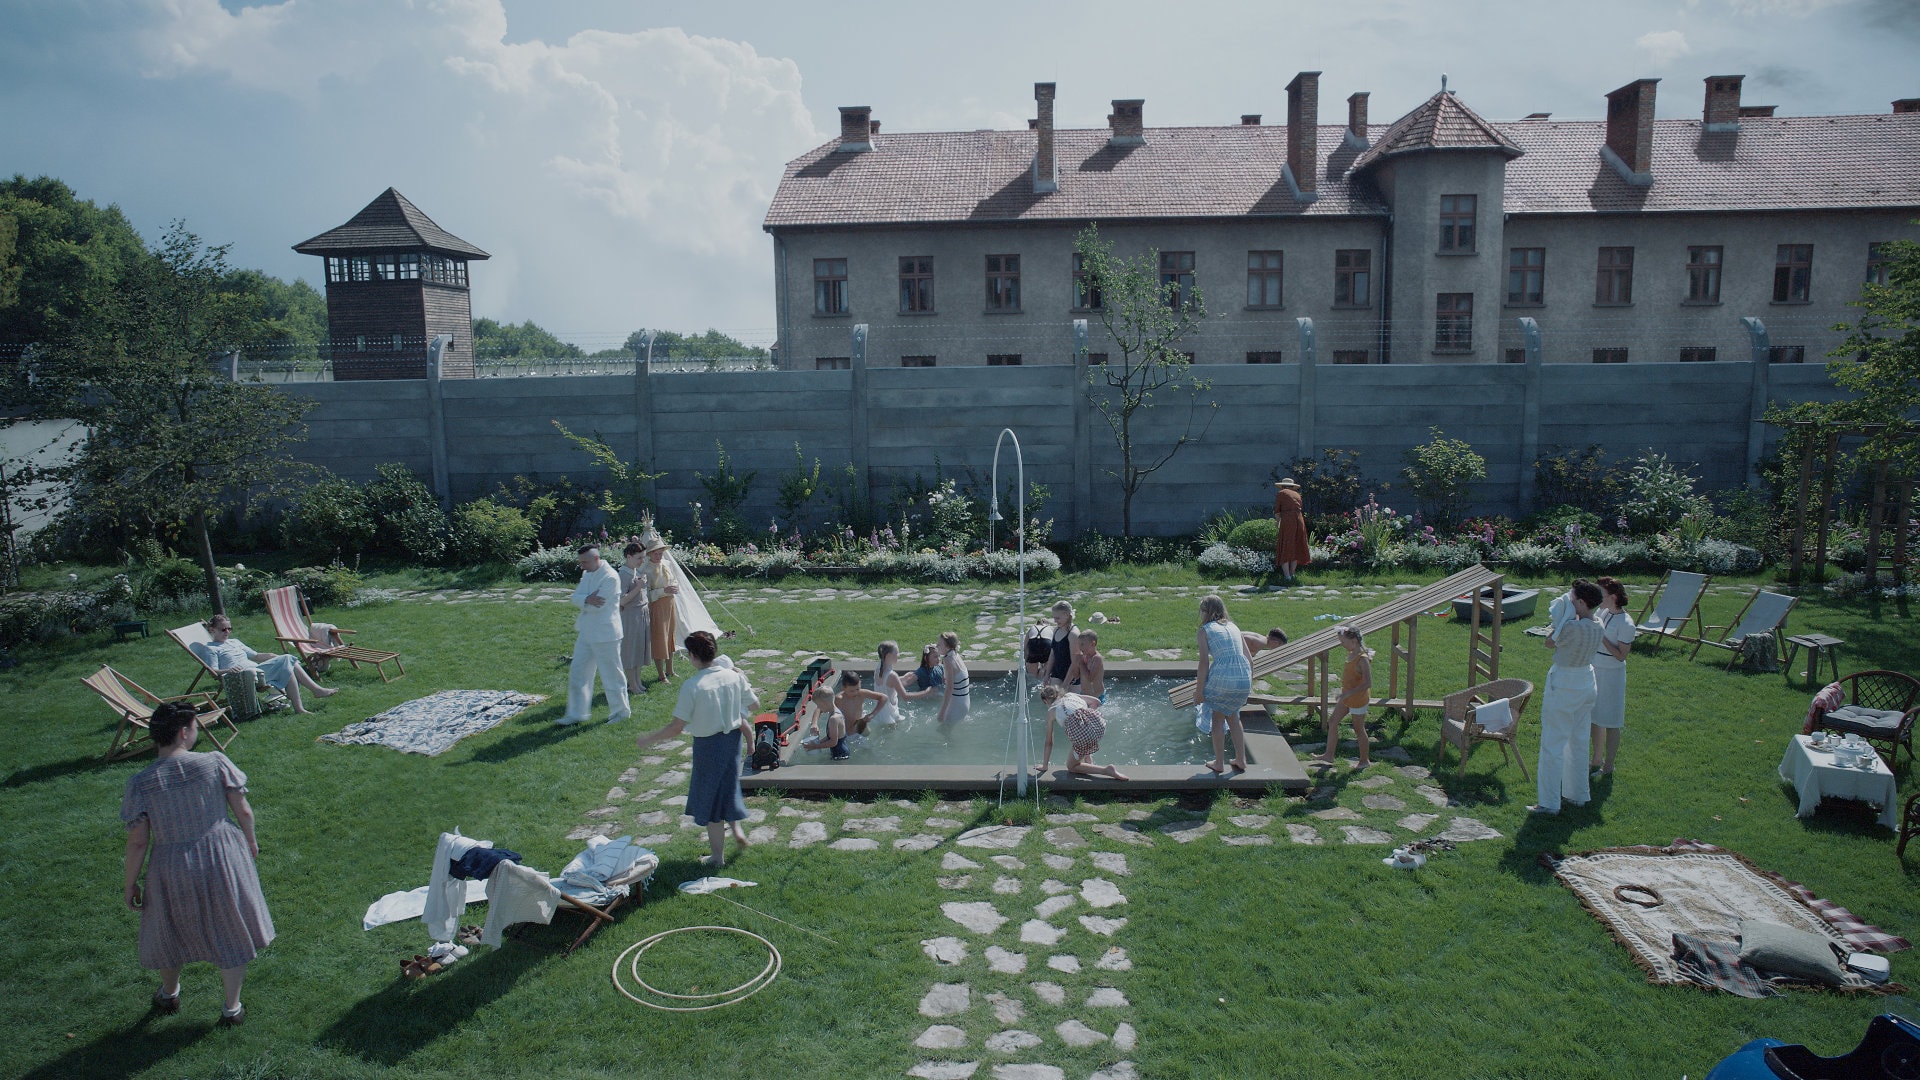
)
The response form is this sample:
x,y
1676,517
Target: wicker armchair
x,y
1457,725
1880,707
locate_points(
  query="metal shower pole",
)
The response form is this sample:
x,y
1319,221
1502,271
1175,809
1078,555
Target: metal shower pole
x,y
1021,721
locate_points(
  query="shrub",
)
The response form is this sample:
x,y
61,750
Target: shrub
x,y
486,532
1229,560
1442,472
323,586
1442,556
1657,494
167,580
1218,527
1533,558
548,564
950,518
1331,484
1725,557
1260,534
407,517
1578,479
1746,517
327,517
1603,554
1095,551
727,492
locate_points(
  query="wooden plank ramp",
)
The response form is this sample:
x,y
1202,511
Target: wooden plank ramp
x,y
1401,608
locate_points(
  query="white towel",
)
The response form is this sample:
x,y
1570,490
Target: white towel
x,y
410,904
517,894
1560,612
446,894
705,885
1494,716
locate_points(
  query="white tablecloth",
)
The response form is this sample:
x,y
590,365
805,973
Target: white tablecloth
x,y
1814,775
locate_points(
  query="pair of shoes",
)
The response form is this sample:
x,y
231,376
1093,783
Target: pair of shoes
x,y
1538,809
166,1005
469,935
232,1020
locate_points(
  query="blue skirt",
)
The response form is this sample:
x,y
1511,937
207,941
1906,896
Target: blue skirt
x,y
714,792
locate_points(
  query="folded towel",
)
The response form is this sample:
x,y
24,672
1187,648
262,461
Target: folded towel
x,y
1494,717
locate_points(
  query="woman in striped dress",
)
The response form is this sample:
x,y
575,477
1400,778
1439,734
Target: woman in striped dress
x,y
1223,681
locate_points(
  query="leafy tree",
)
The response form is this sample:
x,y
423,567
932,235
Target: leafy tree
x,y
1442,473
507,341
1146,319
293,315
1880,360
712,345
172,439
65,250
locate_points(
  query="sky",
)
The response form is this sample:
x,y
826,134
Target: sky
x,y
616,157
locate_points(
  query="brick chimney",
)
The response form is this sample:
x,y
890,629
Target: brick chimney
x,y
1128,128
1757,110
1250,119
1356,120
1723,103
1046,175
1629,146
1303,136
856,129
1907,105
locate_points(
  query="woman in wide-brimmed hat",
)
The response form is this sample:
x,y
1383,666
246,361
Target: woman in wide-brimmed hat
x,y
1290,549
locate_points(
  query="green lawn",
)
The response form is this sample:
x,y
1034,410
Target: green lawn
x,y
1280,960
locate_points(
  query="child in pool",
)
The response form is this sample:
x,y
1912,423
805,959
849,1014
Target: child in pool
x,y
1079,716
852,700
1256,644
958,695
1088,675
829,726
1356,690
928,676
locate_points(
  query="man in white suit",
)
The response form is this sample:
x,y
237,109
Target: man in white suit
x,y
596,642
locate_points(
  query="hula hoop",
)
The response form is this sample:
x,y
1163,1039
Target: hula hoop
x,y
734,995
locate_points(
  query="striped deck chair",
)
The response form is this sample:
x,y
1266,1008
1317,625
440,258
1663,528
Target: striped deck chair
x,y
291,624
1765,613
1675,603
135,704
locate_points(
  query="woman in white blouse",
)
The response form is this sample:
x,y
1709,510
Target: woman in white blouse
x,y
1610,675
713,707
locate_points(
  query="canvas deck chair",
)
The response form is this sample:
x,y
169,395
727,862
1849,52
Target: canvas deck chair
x,y
292,620
135,704
1765,613
1674,604
185,637
597,883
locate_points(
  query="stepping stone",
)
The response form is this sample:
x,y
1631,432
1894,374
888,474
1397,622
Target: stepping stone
x,y
1066,838
854,844
1112,862
1052,905
1054,888
1075,1033
941,1037
1186,832
1433,795
1006,1010
631,775
1462,829
1101,893
977,916
1139,815
1006,886
1100,924
1414,772
807,832
673,778
946,999
879,824
1372,782
1007,1042
788,811
1125,1039
944,823
581,832
917,842
1040,932
946,1070
1106,997
1115,959
1337,813
1250,840
1051,993
1124,835
1382,802
615,794
655,841
953,860
959,882
1393,753
1008,862
1417,822
1004,962
756,815
1071,819
1057,862
676,801
1251,821
765,834
1356,834
944,950
1068,964
603,812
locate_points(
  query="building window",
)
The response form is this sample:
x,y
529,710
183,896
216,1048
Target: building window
x,y
1792,273
1613,284
1786,354
1272,357
344,268
1609,356
1453,322
1699,354
1352,277
1349,356
443,271
1703,275
832,363
395,345
1877,263
1003,283
360,343
1086,295
916,284
1003,359
1176,277
916,361
1516,356
1527,276
1456,222
1263,279
397,266
829,286
1094,359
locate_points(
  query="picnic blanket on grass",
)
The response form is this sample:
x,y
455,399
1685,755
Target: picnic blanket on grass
x,y
1678,909
431,724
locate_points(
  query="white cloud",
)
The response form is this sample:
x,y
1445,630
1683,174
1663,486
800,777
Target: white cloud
x,y
1664,46
1782,7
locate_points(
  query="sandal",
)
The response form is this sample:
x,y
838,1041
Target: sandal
x,y
233,1020
469,935
165,1004
415,968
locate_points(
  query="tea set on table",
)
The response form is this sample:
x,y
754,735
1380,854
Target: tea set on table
x,y
1849,751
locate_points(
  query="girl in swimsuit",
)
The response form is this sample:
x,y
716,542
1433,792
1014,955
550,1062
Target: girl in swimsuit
x,y
891,685
1356,690
959,689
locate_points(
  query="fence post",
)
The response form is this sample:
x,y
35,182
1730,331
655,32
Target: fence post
x,y
1758,393
437,420
1309,360
1529,415
857,409
1082,434
643,409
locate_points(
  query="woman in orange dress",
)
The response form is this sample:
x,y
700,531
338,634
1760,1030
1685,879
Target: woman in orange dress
x,y
1290,550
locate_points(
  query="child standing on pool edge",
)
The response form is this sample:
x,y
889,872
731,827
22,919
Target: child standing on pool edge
x,y
1356,690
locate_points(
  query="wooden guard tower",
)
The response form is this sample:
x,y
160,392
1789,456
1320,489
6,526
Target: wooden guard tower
x,y
395,280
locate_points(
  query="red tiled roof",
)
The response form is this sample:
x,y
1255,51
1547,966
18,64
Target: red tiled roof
x,y
1771,163
986,176
389,223
1441,122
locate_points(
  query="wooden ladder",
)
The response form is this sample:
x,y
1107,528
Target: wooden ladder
x,y
1483,643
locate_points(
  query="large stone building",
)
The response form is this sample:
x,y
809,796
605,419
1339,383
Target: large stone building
x,y
1626,239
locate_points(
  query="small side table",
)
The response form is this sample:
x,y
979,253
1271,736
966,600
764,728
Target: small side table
x,y
1817,645
124,630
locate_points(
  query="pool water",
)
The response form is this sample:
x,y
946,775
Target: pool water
x,y
1142,729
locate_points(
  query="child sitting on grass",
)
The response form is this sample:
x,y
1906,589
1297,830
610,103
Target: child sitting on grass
x,y
1356,690
1080,718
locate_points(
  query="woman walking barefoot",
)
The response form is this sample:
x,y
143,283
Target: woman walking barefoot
x,y
1356,690
1222,681
1610,675
711,708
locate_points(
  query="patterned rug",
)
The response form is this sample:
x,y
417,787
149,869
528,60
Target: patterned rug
x,y
431,724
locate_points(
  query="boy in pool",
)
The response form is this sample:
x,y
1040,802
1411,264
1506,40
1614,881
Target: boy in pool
x,y
829,726
1080,718
1088,675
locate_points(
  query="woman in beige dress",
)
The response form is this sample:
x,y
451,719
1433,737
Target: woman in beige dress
x,y
636,644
